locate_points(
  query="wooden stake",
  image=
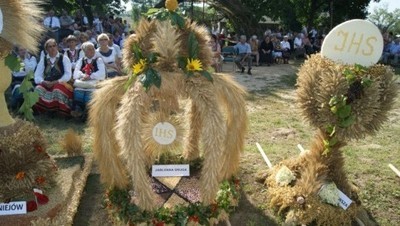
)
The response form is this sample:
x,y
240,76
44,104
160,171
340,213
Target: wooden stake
x,y
264,155
301,148
396,171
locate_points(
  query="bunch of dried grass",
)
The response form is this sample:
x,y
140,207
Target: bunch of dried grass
x,y
20,25
320,79
72,143
312,169
24,162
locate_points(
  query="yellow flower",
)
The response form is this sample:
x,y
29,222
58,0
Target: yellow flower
x,y
194,65
139,67
171,5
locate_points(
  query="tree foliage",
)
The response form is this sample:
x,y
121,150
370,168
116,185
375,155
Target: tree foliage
x,y
102,7
245,15
385,20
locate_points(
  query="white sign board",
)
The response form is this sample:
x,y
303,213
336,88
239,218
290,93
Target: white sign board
x,y
12,208
354,42
164,133
170,170
344,201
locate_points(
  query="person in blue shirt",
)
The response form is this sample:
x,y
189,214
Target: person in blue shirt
x,y
244,54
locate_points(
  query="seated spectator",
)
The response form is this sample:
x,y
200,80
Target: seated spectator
x,y
28,64
109,56
266,49
393,51
216,49
117,38
318,43
52,76
67,25
277,52
244,54
308,45
52,23
92,37
298,46
254,49
73,52
285,47
88,71
116,47
83,37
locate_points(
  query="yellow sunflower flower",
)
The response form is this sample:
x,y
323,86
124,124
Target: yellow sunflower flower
x,y
171,5
193,65
139,67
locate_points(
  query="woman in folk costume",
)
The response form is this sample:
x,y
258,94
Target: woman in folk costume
x,y
89,70
51,76
73,52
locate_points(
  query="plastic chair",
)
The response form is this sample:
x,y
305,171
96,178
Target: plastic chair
x,y
229,53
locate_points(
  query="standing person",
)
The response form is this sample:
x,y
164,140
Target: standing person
x,y
254,49
216,49
266,49
88,71
109,56
52,76
28,64
52,23
244,54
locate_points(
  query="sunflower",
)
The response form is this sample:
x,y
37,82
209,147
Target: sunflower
x,y
139,67
171,5
193,65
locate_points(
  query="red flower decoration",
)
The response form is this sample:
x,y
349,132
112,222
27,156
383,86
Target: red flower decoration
x,y
194,218
31,206
41,199
40,180
38,149
88,69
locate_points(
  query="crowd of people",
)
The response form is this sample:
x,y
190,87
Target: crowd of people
x,y
274,47
391,49
73,58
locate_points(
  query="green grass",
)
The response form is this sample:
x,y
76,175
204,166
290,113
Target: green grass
x,y
275,123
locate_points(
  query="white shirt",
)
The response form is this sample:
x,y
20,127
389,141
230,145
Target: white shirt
x,y
100,74
285,45
51,22
30,63
117,50
297,42
40,68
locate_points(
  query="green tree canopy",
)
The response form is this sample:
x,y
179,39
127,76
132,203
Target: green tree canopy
x,y
385,20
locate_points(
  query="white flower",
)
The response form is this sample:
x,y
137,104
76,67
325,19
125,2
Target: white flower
x,y
284,176
329,194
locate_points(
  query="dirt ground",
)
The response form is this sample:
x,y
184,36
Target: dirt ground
x,y
250,210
